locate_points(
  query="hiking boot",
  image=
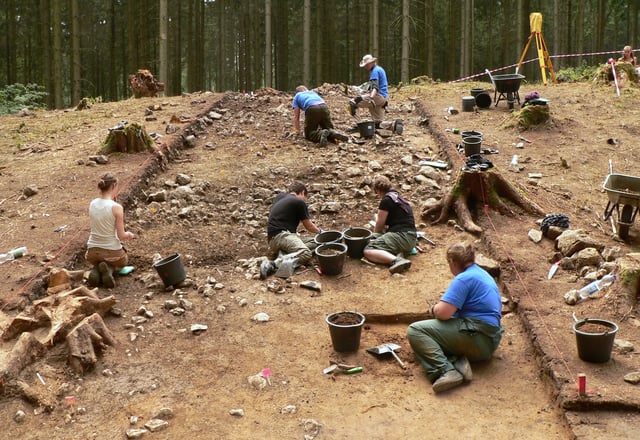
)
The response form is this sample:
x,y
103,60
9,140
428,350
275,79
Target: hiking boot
x,y
352,107
334,135
464,367
448,380
398,127
399,265
267,267
94,277
324,137
106,273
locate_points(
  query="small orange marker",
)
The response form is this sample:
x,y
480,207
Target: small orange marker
x,y
582,384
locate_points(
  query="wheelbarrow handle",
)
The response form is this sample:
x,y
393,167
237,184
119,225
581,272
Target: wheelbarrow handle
x,y
610,166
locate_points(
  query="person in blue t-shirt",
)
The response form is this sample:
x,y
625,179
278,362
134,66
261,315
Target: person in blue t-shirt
x,y
317,119
377,98
466,325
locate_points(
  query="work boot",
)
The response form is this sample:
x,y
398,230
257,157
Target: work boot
x,y
337,136
398,127
464,367
267,267
324,137
94,277
399,265
448,380
106,273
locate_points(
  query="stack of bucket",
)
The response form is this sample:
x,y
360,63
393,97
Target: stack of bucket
x,y
472,142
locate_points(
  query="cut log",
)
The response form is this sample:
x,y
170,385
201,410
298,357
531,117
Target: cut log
x,y
25,351
89,335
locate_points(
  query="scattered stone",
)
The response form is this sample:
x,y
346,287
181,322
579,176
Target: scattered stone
x,y
260,317
623,346
196,329
572,297
257,381
183,179
30,191
135,433
633,378
19,416
238,412
535,235
100,159
164,414
155,425
289,409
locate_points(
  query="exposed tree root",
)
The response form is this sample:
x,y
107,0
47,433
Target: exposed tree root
x,y
90,334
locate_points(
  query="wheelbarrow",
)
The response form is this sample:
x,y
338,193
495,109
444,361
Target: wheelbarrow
x,y
506,87
624,199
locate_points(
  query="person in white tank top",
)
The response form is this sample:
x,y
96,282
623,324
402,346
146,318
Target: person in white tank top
x,y
104,247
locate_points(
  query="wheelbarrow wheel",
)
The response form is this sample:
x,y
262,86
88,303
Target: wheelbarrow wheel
x,y
624,222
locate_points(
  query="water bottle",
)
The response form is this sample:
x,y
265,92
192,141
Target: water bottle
x,y
13,254
596,286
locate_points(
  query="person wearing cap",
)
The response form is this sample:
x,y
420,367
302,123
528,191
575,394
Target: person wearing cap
x,y
377,98
394,234
317,118
466,325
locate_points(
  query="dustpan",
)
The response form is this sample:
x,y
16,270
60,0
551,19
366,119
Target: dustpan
x,y
385,348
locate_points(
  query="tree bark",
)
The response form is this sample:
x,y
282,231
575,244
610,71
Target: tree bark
x,y
89,335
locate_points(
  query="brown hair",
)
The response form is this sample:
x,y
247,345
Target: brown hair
x,y
461,253
298,188
107,180
301,88
382,183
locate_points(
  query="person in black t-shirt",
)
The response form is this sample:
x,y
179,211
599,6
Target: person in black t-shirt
x,y
396,216
287,212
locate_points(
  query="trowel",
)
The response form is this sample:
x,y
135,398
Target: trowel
x,y
388,347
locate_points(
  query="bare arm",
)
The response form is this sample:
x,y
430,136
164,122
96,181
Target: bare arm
x,y
118,213
310,226
296,118
443,310
382,221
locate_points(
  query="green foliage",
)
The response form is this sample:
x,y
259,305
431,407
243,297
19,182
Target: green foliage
x,y
16,97
582,72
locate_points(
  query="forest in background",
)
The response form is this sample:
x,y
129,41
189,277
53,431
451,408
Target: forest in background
x,y
87,48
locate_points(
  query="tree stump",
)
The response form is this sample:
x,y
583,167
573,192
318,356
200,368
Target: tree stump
x,y
90,334
472,188
486,188
132,138
143,84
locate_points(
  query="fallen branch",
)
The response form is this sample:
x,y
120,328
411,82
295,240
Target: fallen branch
x,y
90,334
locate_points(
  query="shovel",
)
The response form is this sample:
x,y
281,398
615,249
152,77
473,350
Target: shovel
x,y
389,347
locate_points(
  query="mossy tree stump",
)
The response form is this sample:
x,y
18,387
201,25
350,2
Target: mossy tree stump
x,y
132,138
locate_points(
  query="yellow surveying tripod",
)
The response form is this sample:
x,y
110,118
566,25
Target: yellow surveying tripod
x,y
535,22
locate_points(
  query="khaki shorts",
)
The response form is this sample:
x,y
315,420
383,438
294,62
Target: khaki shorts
x,y
117,259
394,242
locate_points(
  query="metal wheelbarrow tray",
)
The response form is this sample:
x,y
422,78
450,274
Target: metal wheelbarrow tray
x,y
506,87
622,190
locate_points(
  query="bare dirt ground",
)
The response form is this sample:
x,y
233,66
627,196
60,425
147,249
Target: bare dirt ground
x,y
236,166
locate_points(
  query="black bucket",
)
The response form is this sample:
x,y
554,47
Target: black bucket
x,y
595,347
483,100
345,329
367,129
170,270
468,102
356,240
472,145
476,91
325,237
467,133
331,257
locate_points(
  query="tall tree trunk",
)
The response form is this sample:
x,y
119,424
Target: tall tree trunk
x,y
429,33
132,44
76,71
306,41
404,60
163,73
267,44
45,48
10,43
601,24
57,54
454,19
375,28
282,45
